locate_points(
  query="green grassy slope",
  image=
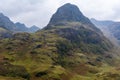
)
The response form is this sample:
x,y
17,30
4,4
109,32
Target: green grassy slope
x,y
70,47
56,54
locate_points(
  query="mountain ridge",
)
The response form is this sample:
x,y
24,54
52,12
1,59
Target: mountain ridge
x,y
7,24
109,28
21,27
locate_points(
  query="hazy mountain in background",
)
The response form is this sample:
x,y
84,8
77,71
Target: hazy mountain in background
x,y
115,29
8,25
23,28
34,28
110,29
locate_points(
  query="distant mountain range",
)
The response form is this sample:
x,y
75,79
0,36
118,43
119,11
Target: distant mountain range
x,y
111,29
22,28
7,24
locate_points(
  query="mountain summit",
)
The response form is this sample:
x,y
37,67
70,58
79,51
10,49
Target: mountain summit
x,y
68,22
68,13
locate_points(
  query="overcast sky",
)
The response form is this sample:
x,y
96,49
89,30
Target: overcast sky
x,y
39,12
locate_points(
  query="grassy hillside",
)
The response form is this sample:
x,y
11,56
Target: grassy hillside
x,y
61,53
70,47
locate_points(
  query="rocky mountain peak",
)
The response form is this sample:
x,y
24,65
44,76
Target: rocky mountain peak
x,y
68,13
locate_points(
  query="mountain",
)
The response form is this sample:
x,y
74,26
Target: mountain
x,y
21,27
110,29
115,30
33,28
70,23
70,47
6,27
102,23
6,23
68,12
